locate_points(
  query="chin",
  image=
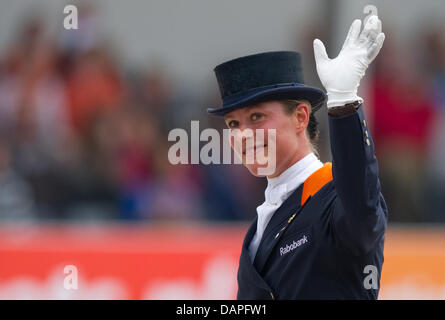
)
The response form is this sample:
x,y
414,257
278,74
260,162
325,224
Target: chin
x,y
253,169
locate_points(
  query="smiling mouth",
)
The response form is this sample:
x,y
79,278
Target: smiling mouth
x,y
255,149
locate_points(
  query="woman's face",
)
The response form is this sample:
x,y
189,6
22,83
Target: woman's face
x,y
281,149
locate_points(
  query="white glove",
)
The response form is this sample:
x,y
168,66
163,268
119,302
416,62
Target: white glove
x,y
341,76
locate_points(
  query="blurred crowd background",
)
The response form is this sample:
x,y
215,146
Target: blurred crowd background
x,y
83,131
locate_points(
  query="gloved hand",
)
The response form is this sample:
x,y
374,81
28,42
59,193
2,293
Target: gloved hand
x,y
341,76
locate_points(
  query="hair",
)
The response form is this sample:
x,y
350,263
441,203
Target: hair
x,y
312,131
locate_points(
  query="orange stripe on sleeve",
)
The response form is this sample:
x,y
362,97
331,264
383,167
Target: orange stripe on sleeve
x,y
316,181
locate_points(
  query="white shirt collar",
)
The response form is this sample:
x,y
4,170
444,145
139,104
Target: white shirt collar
x,y
279,188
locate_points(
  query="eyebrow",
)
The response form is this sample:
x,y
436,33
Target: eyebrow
x,y
247,109
254,108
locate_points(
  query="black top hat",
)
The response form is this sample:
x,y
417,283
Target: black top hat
x,y
276,75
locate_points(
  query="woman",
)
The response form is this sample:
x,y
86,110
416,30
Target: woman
x,y
320,232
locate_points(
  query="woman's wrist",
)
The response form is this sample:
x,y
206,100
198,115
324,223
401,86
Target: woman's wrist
x,y
344,110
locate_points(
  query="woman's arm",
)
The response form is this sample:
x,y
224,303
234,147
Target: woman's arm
x,y
360,214
359,217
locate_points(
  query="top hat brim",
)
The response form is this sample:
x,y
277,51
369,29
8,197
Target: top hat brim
x,y
292,91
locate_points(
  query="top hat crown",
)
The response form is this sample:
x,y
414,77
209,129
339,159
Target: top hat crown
x,y
251,79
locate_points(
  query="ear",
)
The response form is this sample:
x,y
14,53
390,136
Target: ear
x,y
301,117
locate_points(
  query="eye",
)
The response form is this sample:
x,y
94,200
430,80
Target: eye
x,y
256,116
232,124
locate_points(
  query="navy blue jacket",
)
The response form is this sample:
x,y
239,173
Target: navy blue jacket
x,y
320,241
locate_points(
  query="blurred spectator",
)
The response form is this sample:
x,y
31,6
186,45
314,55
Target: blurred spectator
x,y
122,148
434,58
177,193
16,198
94,85
403,115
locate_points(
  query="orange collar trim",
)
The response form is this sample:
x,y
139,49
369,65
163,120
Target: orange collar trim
x,y
316,181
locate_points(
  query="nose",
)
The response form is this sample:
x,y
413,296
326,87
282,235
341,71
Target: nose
x,y
242,137
243,133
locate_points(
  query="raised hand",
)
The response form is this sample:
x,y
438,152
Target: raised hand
x,y
341,76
